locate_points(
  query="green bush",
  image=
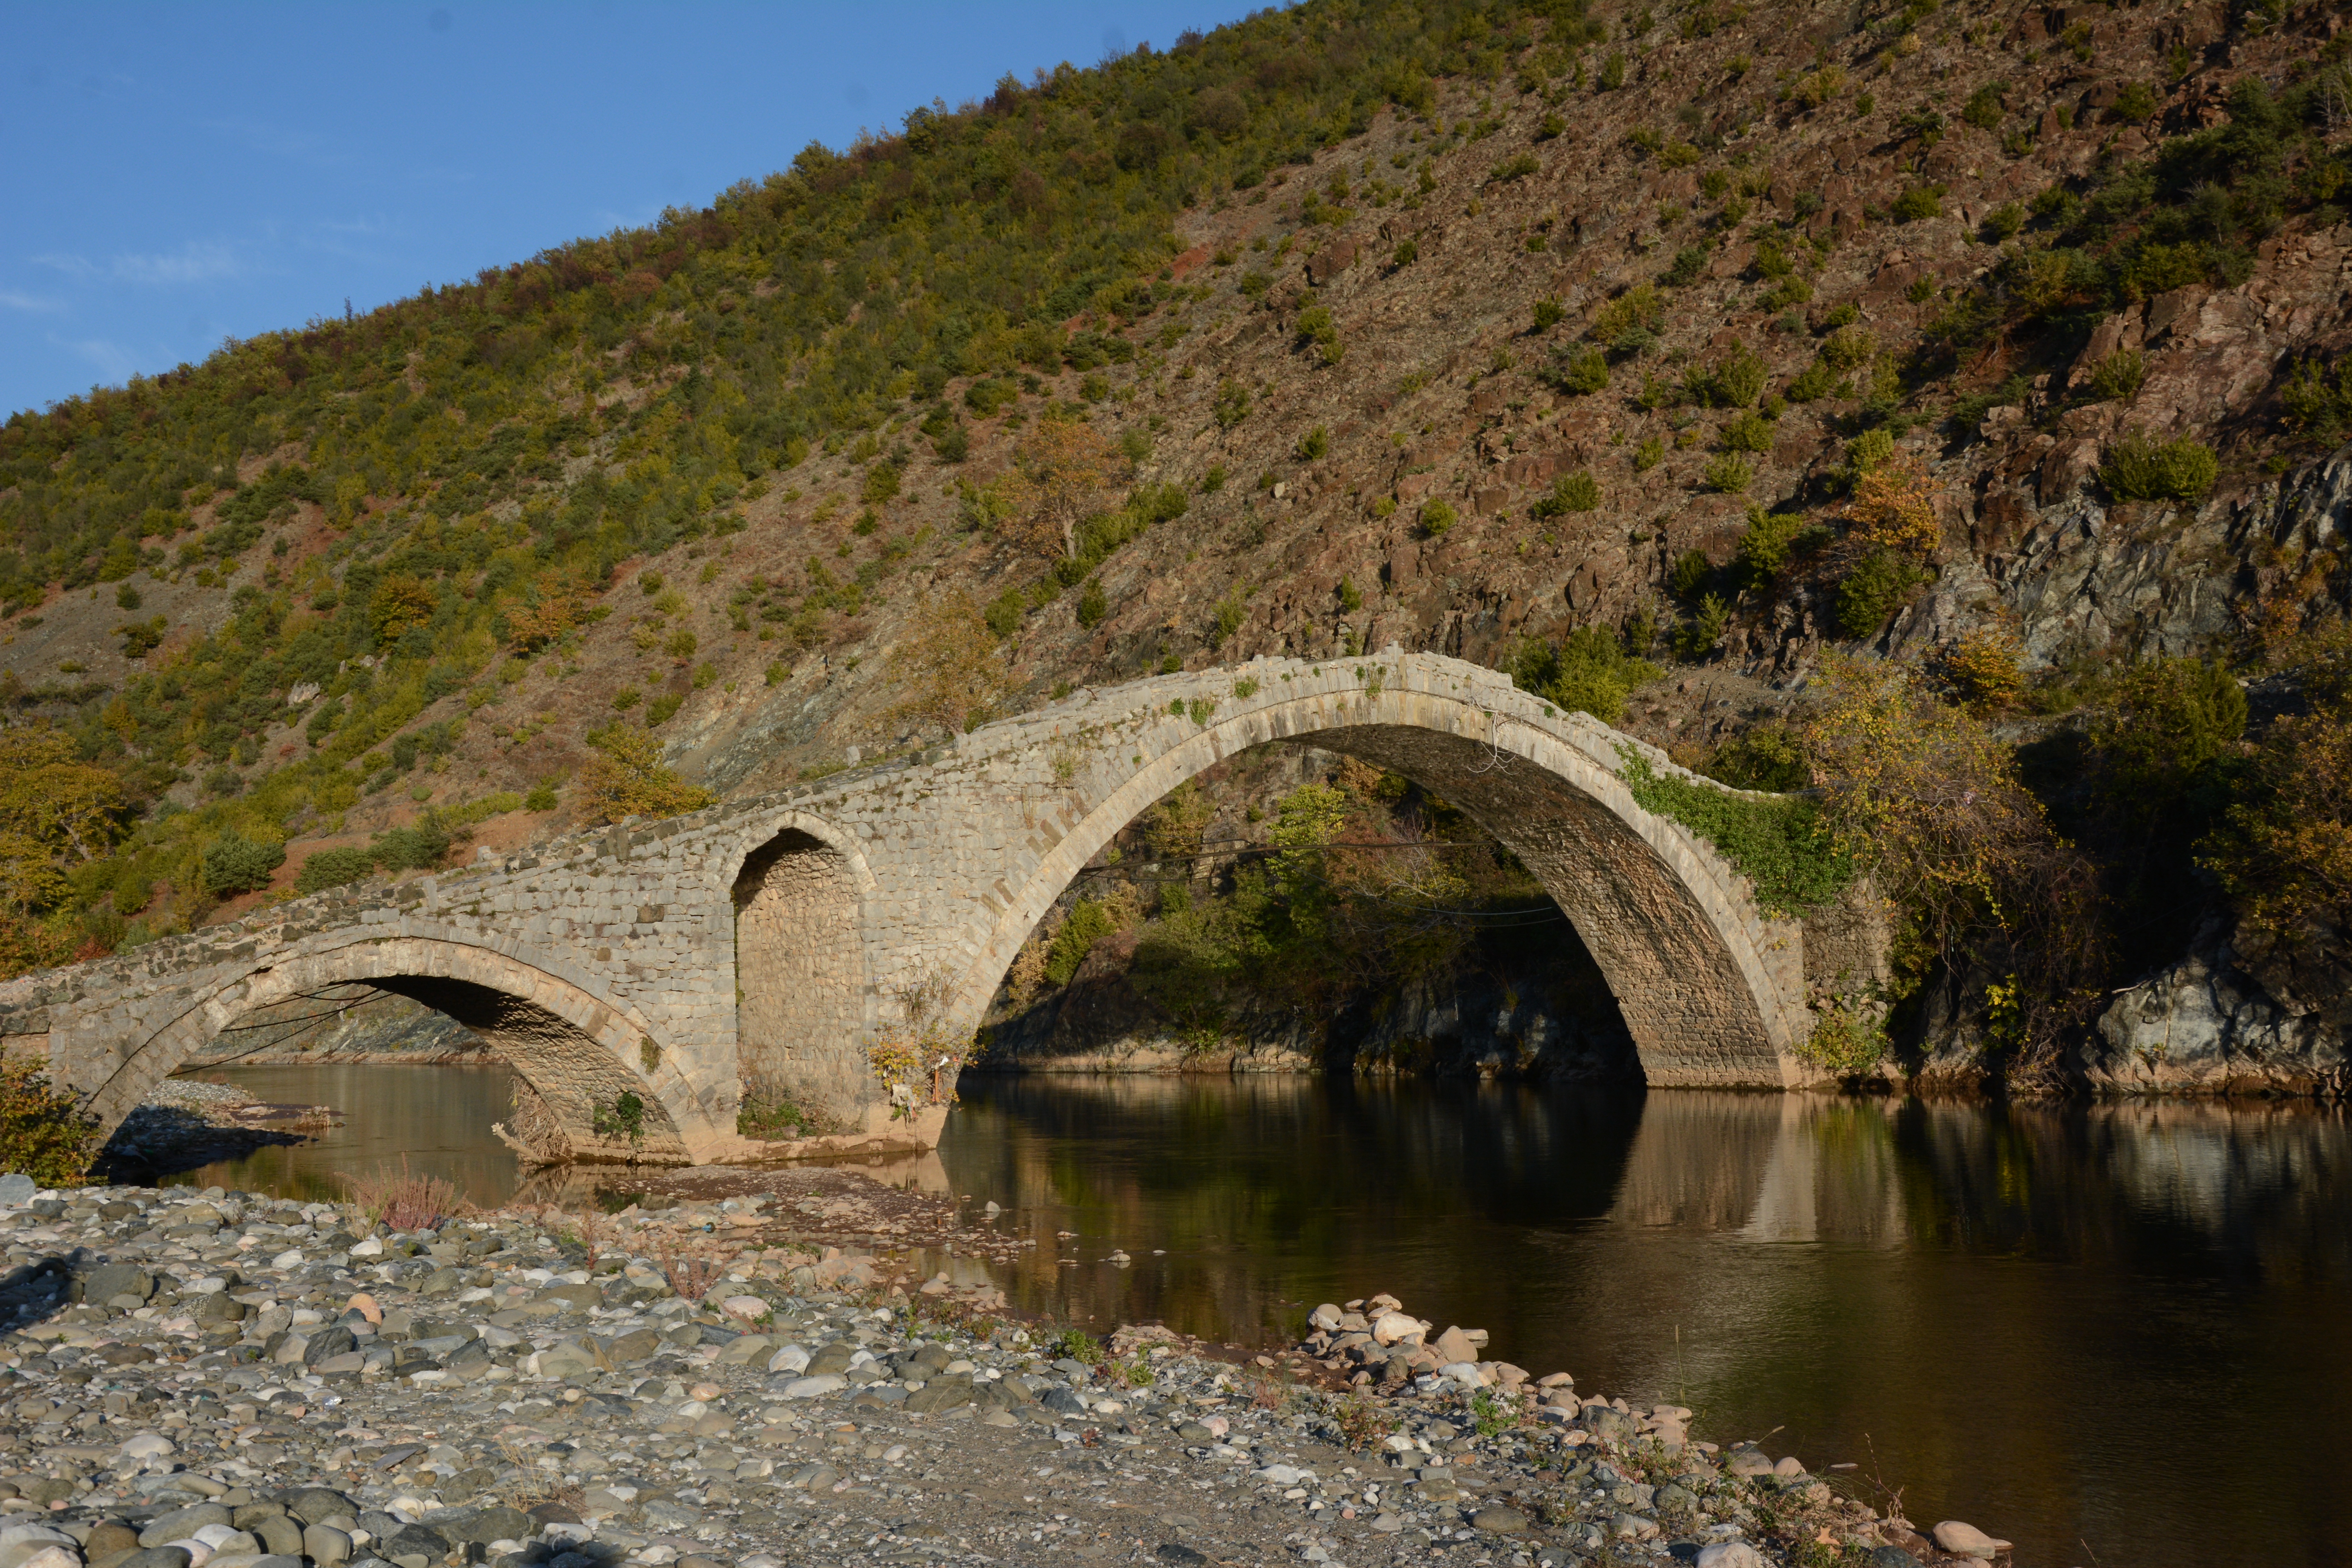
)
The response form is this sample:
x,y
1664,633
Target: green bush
x,y
1690,571
1769,758
1879,584
1983,107
1578,491
1729,473
2138,468
1092,605
542,794
333,869
1437,516
1781,845
1752,432
1581,375
1589,672
2117,377
235,864
45,1133
416,848
1689,262
1773,539
1918,202
1314,444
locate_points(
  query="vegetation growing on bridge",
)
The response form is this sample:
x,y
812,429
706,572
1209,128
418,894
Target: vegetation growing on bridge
x,y
1779,843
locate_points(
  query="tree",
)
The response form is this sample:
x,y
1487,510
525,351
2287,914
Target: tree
x,y
73,810
949,672
1928,804
1063,470
627,779
401,601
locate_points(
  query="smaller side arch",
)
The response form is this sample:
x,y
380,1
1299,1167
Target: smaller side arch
x,y
799,892
573,1050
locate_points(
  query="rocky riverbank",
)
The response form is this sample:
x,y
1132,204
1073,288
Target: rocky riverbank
x,y
220,1381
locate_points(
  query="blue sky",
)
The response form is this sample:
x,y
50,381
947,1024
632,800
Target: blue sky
x,y
173,174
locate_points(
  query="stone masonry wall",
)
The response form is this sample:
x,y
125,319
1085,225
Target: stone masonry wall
x,y
800,971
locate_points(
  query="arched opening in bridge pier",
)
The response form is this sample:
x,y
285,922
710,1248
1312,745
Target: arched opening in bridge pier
x,y
800,986
1416,942
584,1084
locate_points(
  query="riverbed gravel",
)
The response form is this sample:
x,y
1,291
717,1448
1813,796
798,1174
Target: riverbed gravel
x,y
217,1379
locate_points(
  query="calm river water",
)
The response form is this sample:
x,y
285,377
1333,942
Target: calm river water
x,y
2116,1334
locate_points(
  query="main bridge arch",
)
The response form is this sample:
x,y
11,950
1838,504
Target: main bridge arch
x,y
1712,990
574,1054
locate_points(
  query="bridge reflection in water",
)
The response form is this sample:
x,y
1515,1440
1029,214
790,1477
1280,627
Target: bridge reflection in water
x,y
2118,1324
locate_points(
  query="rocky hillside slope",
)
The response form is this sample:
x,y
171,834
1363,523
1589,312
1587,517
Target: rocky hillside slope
x,y
1464,327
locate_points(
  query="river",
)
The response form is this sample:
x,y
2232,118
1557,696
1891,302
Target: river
x,y
2114,1333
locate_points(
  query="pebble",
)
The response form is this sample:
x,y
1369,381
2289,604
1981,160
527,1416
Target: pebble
x,y
1962,1540
244,1383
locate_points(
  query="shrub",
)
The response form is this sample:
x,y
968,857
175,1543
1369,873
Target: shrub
x,y
1983,107
1316,326
1548,311
45,1133
1876,585
419,847
1437,516
542,794
1769,757
1233,404
1581,375
1689,262
235,864
1730,473
333,869
1314,444
1771,540
1983,669
1630,317
1648,453
2117,377
1781,845
1732,382
627,779
1752,432
1927,802
1406,253
1517,168
2283,852
1691,571
2136,101
2310,406
2139,468
1588,672
2003,221
1578,491
1092,607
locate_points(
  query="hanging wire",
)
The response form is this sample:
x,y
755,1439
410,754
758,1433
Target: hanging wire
x,y
1237,848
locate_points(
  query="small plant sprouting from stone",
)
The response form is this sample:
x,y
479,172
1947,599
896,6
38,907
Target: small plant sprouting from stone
x,y
1245,688
625,1118
1200,708
648,1053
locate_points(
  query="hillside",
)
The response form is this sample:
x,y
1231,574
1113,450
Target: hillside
x,y
1997,341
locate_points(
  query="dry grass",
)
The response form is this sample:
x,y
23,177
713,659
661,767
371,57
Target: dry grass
x,y
690,1274
406,1201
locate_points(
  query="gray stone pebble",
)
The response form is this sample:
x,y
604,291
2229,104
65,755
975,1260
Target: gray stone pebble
x,y
217,1379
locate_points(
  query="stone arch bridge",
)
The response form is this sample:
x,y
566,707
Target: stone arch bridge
x,y
772,939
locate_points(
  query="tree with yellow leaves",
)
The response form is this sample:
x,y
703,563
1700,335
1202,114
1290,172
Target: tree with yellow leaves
x,y
949,673
1927,802
627,779
1059,476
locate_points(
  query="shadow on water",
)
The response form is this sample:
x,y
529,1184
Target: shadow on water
x,y
435,1118
2118,1325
